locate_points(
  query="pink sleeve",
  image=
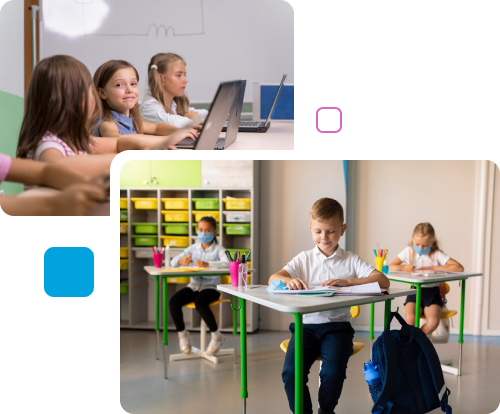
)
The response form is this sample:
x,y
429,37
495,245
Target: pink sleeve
x,y
46,145
5,162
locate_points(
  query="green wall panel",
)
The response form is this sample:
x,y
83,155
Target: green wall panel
x,y
167,173
11,117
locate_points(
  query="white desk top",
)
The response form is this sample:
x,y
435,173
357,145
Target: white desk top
x,y
305,304
436,278
155,271
278,137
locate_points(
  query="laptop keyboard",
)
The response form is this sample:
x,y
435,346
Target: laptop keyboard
x,y
250,123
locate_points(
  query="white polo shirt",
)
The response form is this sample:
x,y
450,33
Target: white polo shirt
x,y
314,268
438,258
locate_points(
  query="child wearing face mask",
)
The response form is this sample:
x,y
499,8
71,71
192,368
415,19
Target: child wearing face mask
x,y
423,253
201,290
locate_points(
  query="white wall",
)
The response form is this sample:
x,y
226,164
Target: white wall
x,y
288,190
12,47
386,200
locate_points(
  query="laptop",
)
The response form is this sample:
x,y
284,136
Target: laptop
x,y
260,126
233,121
221,106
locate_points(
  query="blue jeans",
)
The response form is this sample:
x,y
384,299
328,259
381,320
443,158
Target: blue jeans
x,y
333,341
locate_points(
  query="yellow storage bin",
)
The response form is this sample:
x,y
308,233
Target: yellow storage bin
x,y
124,228
124,252
237,203
198,215
145,203
178,279
175,241
226,280
176,216
123,203
123,264
176,203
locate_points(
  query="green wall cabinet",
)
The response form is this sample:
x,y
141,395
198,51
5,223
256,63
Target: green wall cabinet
x,y
161,173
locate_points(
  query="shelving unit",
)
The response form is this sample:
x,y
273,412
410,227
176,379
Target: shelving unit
x,y
137,307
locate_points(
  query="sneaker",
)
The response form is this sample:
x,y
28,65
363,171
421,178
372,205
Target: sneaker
x,y
185,343
214,345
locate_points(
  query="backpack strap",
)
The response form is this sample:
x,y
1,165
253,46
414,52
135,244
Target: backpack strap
x,y
437,373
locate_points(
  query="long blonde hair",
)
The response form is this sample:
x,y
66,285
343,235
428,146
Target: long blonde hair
x,y
425,230
101,78
164,62
53,104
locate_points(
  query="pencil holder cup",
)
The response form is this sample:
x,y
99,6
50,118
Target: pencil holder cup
x,y
158,259
379,262
233,270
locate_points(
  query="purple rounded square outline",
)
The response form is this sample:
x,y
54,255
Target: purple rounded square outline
x,y
329,132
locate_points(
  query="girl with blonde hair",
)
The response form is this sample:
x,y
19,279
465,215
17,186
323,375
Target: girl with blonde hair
x,y
423,253
166,101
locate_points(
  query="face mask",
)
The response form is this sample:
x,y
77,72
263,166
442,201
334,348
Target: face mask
x,y
421,251
205,237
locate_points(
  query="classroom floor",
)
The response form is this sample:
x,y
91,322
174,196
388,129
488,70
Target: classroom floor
x,y
200,386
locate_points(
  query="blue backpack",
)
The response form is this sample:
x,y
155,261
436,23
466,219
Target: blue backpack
x,y
412,378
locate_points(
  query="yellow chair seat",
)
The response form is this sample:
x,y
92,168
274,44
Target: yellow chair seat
x,y
356,347
192,305
444,314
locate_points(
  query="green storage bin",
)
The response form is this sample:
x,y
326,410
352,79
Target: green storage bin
x,y
176,228
124,287
243,251
145,228
145,240
195,229
237,229
123,215
206,203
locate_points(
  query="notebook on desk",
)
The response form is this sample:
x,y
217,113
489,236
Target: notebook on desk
x,y
260,126
368,289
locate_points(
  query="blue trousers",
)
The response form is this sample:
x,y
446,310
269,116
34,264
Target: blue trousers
x,y
333,341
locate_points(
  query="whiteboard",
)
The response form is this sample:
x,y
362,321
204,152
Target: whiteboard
x,y
220,40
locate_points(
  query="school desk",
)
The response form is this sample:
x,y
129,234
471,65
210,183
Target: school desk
x,y
157,272
298,306
418,281
102,209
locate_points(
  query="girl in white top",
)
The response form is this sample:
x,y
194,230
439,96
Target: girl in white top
x,y
165,100
423,253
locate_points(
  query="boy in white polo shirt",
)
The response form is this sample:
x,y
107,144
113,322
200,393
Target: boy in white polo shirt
x,y
327,333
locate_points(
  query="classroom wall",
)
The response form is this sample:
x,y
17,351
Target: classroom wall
x,y
385,199
288,190
11,81
493,290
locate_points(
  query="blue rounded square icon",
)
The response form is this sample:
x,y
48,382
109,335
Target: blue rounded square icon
x,y
68,272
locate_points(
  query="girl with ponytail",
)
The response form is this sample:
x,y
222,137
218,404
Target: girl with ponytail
x,y
165,101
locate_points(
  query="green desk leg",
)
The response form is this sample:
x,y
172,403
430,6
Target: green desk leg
x,y
461,332
417,305
165,328
372,322
299,363
243,345
157,316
